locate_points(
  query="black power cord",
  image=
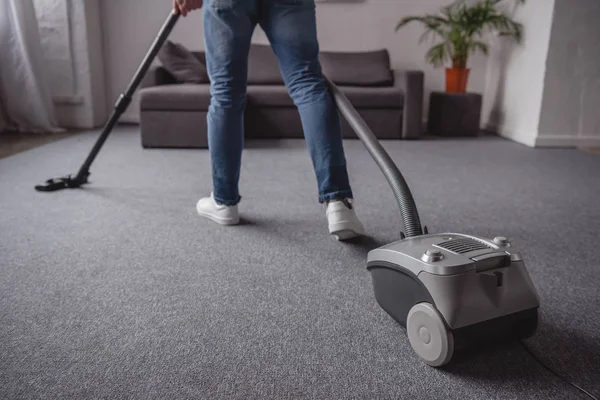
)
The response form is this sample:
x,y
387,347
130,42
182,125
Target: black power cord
x,y
535,357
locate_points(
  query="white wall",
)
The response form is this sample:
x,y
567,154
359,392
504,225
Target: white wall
x,y
546,92
72,43
129,27
514,85
569,115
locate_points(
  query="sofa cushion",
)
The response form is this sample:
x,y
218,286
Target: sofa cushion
x,y
190,97
371,68
364,97
200,55
182,64
263,68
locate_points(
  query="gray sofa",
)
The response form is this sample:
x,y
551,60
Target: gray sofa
x,y
173,114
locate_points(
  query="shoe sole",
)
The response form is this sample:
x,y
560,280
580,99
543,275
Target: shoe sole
x,y
218,220
341,231
345,234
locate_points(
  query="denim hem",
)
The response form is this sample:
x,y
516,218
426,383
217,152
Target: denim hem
x,y
338,195
228,203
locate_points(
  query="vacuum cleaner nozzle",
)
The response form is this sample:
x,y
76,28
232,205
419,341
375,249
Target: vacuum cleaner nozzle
x,y
65,182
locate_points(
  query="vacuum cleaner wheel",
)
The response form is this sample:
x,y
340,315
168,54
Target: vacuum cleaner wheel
x,y
429,336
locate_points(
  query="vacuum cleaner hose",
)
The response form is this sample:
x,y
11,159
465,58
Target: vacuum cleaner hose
x,y
408,208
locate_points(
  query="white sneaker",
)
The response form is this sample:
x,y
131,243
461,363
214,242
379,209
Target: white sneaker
x,y
207,207
343,222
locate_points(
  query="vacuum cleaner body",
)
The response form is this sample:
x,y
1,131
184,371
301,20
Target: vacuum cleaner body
x,y
453,290
448,290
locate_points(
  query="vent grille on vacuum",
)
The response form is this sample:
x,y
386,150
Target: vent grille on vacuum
x,y
463,245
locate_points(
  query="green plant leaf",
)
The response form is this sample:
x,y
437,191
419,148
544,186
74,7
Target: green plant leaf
x,y
439,54
431,23
480,46
461,27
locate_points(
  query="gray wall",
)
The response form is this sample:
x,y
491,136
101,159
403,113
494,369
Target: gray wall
x,y
570,111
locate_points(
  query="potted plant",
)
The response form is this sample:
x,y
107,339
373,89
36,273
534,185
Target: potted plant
x,y
461,27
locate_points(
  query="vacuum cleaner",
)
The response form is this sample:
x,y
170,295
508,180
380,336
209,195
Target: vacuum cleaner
x,y
446,289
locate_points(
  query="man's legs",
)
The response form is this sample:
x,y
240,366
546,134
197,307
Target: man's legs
x,y
228,27
291,28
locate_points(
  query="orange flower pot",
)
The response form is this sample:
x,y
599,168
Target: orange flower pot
x,y
457,80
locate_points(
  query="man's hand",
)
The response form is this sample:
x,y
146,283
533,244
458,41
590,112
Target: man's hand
x,y
183,7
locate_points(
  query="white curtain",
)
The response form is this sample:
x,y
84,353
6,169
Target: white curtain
x,y
25,98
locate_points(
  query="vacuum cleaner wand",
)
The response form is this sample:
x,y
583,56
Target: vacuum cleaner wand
x,y
121,105
408,208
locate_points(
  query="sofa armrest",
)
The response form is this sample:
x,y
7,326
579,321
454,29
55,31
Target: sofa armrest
x,y
156,75
412,84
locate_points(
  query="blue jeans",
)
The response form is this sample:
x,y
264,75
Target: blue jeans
x,y
290,26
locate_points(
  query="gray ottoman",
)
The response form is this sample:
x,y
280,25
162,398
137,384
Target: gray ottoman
x,y
454,114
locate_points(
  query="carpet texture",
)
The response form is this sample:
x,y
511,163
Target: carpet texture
x,y
118,290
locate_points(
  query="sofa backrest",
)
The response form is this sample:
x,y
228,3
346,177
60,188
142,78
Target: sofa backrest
x,y
263,68
367,68
200,55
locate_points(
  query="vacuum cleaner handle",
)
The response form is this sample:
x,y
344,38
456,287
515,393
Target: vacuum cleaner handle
x,y
160,39
125,99
121,105
408,208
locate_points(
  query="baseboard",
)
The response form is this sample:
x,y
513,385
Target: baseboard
x,y
537,140
567,141
525,138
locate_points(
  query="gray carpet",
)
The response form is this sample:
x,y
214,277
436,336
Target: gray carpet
x,y
120,291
